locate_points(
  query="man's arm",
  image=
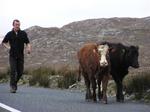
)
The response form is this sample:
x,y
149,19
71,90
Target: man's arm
x,y
6,45
27,42
28,48
5,41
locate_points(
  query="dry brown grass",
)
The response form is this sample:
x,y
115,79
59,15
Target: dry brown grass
x,y
41,76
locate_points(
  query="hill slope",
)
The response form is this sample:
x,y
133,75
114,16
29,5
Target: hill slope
x,y
58,46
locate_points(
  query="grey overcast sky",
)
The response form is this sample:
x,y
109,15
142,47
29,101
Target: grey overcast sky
x,y
56,13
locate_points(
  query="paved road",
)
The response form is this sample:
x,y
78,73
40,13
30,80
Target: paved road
x,y
29,99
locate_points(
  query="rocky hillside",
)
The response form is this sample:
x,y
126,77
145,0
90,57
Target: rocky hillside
x,y
58,46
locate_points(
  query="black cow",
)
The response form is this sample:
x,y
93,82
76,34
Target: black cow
x,y
121,58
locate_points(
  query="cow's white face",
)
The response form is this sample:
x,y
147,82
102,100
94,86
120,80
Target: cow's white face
x,y
103,50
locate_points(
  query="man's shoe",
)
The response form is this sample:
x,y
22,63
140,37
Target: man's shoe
x,y
12,90
15,87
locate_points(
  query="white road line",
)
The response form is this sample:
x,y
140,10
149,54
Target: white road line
x,y
8,108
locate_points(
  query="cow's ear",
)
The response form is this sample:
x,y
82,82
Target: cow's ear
x,y
123,51
128,51
112,49
95,50
137,47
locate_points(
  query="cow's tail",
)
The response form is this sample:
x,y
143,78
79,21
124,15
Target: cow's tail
x,y
79,74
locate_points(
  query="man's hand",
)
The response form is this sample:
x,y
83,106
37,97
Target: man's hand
x,y
28,49
6,45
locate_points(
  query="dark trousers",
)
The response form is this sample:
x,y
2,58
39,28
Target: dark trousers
x,y
16,69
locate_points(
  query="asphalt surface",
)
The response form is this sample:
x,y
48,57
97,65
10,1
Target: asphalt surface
x,y
30,99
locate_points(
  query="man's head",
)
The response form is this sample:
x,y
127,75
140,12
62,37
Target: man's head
x,y
16,25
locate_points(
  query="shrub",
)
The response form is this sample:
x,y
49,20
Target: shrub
x,y
43,77
137,84
4,75
68,78
40,77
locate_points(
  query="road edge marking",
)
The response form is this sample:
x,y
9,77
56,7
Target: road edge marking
x,y
8,108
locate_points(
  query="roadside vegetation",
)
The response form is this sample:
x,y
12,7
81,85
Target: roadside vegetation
x,y
4,75
52,78
136,86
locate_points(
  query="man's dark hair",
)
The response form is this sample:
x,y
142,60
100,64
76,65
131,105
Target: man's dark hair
x,y
15,20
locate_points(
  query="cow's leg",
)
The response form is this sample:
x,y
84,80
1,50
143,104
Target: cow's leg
x,y
93,80
104,86
120,91
118,84
100,94
79,73
119,94
88,91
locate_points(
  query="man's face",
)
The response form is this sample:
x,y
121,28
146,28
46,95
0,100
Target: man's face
x,y
16,26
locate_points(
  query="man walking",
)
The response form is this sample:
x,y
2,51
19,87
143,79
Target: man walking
x,y
14,41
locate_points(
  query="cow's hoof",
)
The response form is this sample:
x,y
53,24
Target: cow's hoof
x,y
104,102
94,100
100,98
88,100
120,100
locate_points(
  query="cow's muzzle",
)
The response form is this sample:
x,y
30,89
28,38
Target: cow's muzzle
x,y
104,64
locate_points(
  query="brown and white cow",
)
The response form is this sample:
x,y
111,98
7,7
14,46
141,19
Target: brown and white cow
x,y
94,66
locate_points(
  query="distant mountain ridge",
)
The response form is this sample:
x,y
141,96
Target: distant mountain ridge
x,y
58,46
